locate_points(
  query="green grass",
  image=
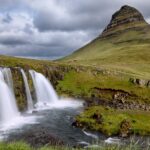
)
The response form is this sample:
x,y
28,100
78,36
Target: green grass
x,y
126,52
15,146
24,146
111,120
8,61
83,84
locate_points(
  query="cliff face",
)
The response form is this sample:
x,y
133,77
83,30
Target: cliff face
x,y
126,18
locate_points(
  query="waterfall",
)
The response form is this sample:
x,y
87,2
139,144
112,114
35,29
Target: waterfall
x,y
8,78
8,106
27,90
44,91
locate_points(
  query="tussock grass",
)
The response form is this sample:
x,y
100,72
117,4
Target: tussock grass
x,y
15,146
102,146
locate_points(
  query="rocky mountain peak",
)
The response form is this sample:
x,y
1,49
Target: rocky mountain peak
x,y
127,17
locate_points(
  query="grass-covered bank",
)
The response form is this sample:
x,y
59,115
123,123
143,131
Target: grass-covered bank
x,y
115,122
107,86
24,146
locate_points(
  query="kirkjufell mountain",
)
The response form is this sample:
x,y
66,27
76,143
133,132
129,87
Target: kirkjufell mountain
x,y
124,19
124,44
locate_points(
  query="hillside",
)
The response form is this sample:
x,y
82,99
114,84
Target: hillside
x,y
124,45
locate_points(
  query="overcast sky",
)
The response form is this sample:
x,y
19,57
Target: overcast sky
x,y
54,28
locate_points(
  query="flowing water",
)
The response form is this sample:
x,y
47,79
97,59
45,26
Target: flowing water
x,y
8,78
44,91
27,90
8,107
57,122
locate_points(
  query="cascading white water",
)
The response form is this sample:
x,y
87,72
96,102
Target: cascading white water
x,y
45,92
46,95
8,107
8,78
10,117
27,90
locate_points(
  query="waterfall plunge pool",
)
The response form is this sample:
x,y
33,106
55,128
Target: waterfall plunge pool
x,y
55,120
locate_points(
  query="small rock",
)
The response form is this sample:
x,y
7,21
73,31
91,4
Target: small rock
x,y
75,124
34,111
141,82
125,128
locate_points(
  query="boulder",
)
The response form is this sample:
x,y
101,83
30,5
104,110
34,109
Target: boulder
x,y
125,128
141,82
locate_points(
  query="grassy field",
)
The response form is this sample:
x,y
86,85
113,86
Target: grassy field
x,y
128,51
8,61
84,83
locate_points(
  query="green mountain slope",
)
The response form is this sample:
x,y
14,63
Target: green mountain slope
x,y
124,45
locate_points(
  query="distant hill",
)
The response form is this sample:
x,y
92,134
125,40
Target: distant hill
x,y
123,45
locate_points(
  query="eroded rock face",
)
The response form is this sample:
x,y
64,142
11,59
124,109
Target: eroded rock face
x,y
127,17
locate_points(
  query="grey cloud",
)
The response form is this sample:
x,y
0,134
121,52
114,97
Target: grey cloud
x,y
83,15
13,41
43,51
52,44
7,18
75,19
28,29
